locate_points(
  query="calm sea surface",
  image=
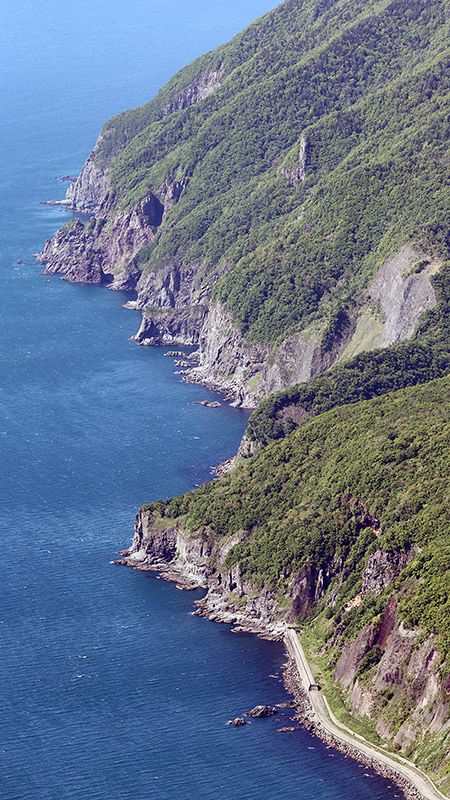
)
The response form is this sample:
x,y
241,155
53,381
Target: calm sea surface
x,y
110,688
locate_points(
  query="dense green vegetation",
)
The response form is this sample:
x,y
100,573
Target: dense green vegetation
x,y
365,84
358,478
425,357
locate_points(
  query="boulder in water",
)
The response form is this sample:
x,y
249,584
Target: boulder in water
x,y
262,711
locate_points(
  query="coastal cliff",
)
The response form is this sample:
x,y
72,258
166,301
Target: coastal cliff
x,y
403,666
309,532
178,307
278,249
200,562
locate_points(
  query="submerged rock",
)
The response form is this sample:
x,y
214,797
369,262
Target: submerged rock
x,y
208,403
54,202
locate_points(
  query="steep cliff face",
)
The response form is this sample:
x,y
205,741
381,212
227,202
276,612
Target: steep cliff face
x,y
390,673
176,310
102,249
176,304
173,308
389,312
394,302
372,373
403,694
205,85
91,188
176,301
199,561
246,372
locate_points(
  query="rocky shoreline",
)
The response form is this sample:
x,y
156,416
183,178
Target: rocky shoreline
x,y
303,715
302,710
330,297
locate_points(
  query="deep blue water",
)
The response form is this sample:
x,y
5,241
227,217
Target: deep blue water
x,y
110,688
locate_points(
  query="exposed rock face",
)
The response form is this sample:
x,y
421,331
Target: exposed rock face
x,y
171,191
200,561
382,568
297,174
199,90
307,588
175,299
101,251
405,670
394,302
387,658
353,655
72,254
172,287
173,309
247,447
176,307
402,298
171,326
131,231
87,193
246,373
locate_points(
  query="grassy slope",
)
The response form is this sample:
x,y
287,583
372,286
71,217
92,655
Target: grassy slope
x,y
365,83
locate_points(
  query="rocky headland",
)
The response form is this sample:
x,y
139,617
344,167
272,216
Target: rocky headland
x,y
199,561
282,248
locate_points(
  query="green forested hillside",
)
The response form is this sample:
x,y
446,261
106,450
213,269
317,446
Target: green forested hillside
x,y
357,91
297,159
355,479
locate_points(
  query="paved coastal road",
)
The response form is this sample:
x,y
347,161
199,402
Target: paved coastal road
x,y
325,717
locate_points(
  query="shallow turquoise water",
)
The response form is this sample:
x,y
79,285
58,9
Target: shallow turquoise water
x,y
110,687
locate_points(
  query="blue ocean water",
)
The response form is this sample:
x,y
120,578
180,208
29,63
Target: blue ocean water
x,y
109,687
